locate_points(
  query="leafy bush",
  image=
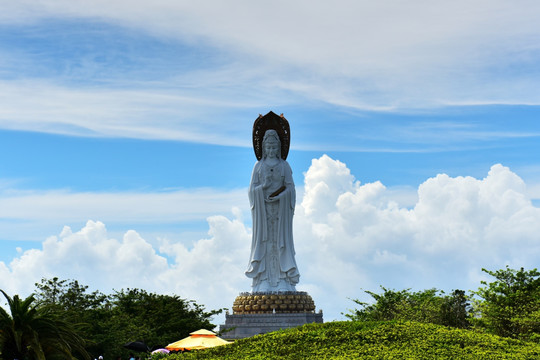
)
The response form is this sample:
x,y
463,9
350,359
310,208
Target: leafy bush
x,y
510,305
428,306
371,340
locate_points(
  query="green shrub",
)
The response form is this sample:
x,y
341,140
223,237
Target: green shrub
x,y
428,306
371,340
510,305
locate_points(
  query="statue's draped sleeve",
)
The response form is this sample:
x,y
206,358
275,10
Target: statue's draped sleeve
x,y
258,213
286,210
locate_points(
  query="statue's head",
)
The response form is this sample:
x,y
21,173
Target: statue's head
x,y
271,144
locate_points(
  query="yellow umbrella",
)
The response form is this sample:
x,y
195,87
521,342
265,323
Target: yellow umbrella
x,y
200,339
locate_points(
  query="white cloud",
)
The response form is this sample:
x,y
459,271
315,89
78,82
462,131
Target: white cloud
x,y
382,57
150,112
359,237
210,271
349,236
166,206
49,210
386,257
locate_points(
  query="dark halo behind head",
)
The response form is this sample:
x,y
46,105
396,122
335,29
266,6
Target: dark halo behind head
x,y
274,122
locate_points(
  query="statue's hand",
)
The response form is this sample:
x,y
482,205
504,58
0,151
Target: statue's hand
x,y
272,199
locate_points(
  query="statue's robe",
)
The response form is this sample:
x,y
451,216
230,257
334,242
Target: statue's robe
x,y
258,267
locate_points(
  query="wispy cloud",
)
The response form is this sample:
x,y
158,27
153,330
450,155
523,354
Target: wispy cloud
x,y
389,57
137,113
46,210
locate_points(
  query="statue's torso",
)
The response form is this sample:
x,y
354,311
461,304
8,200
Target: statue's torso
x,y
275,174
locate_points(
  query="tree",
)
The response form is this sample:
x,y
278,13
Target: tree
x,y
31,332
388,306
510,305
427,306
155,319
68,295
109,321
456,310
84,310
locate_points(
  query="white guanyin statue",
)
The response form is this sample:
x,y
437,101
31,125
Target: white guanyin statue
x,y
272,197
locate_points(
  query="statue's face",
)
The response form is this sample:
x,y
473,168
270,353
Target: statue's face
x,y
271,149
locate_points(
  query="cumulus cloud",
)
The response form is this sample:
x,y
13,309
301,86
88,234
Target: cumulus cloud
x,y
357,236
349,236
208,270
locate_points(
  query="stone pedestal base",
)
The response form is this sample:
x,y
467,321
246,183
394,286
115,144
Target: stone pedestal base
x,y
247,325
262,312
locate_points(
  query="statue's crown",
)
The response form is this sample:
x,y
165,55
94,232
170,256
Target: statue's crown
x,y
271,121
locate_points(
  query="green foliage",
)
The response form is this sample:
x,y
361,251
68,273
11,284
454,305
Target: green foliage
x,y
371,340
65,320
110,321
428,306
69,296
32,332
73,303
154,319
510,305
456,310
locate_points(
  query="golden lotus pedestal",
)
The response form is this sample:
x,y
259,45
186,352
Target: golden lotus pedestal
x,y
260,313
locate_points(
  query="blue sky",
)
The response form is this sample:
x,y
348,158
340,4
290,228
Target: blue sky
x,y
126,127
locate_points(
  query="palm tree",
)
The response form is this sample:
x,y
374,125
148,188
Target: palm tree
x,y
33,332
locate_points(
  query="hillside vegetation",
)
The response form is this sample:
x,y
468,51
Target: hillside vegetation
x,y
371,340
501,320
